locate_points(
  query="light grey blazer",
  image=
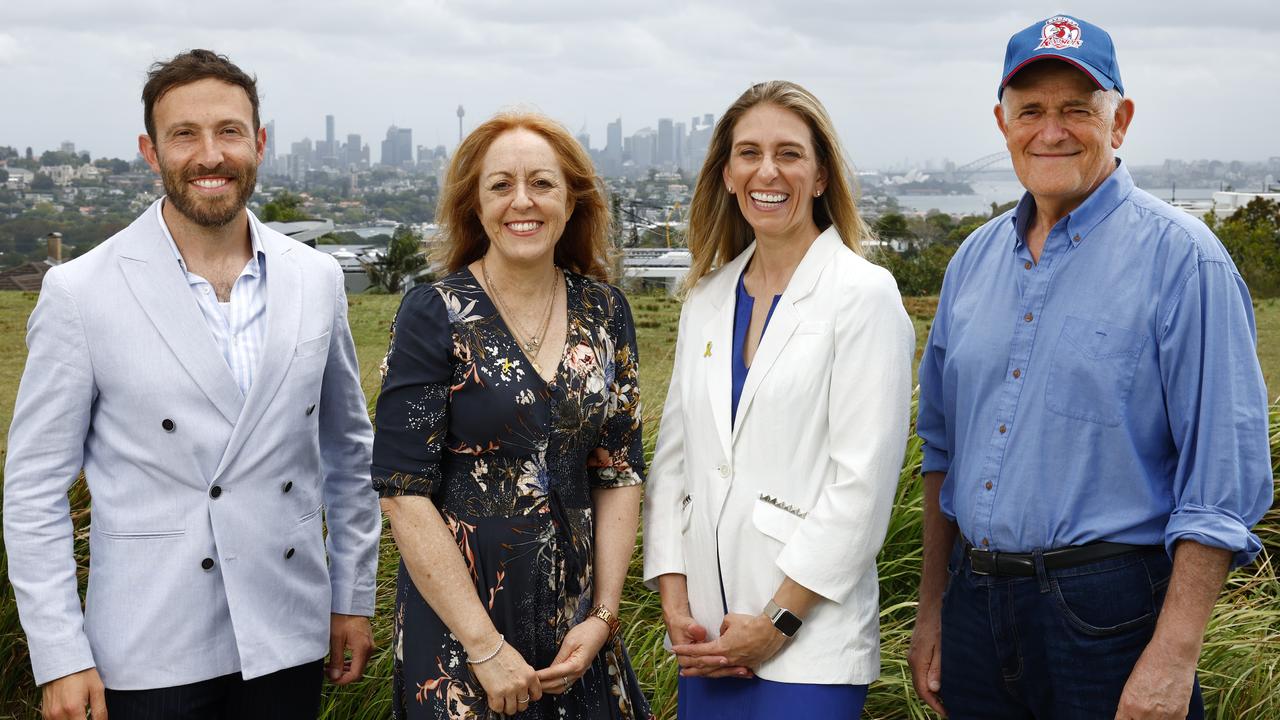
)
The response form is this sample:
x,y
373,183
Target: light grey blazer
x,y
207,553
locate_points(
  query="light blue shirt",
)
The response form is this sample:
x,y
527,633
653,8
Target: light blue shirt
x,y
239,327
1110,392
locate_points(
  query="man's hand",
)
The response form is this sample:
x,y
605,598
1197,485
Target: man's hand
x,y
745,641
66,697
1159,688
348,634
925,659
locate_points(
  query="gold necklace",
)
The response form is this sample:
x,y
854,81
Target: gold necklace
x,y
529,344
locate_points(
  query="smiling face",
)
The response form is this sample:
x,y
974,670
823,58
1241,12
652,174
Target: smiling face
x,y
524,198
1061,131
206,150
774,172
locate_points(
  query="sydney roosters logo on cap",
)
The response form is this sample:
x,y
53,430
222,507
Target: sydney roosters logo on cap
x,y
1059,33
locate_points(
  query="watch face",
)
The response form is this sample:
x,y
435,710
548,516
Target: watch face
x,y
786,622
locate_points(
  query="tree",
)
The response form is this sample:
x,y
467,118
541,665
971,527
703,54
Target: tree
x,y
892,226
4,176
42,181
285,207
1252,237
402,262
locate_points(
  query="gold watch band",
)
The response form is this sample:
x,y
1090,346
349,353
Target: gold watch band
x,y
603,613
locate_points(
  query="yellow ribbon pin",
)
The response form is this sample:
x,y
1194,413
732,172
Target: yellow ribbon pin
x,y
707,352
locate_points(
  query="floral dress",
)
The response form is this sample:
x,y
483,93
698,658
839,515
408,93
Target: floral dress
x,y
509,461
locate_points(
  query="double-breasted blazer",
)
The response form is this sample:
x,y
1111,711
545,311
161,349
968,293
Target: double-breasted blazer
x,y
207,550
802,481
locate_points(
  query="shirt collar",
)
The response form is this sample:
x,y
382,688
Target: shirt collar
x,y
254,269
1081,221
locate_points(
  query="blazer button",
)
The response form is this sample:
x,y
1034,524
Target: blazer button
x,y
723,470
215,491
311,409
167,424
288,553
287,486
207,563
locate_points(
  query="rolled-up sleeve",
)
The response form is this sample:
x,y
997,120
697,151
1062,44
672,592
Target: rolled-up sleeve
x,y
931,419
411,416
1217,403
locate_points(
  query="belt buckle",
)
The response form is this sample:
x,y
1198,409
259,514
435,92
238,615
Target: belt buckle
x,y
983,562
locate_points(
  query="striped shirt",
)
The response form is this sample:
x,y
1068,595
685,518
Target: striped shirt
x,y
239,327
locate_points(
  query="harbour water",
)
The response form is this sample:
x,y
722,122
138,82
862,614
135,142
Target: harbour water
x,y
1000,190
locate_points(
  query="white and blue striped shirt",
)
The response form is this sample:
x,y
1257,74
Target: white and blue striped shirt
x,y
239,327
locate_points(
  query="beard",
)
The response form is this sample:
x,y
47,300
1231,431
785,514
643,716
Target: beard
x,y
205,211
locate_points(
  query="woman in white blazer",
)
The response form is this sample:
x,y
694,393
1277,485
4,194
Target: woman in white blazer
x,y
784,426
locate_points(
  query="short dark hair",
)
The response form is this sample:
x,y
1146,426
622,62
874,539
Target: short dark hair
x,y
188,67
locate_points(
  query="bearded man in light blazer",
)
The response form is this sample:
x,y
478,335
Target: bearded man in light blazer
x,y
199,367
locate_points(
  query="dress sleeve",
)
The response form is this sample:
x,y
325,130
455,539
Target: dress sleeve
x,y
412,412
620,435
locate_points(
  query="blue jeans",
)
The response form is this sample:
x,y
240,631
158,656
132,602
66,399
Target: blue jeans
x,y
1056,646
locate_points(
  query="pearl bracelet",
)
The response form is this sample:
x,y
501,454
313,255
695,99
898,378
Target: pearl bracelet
x,y
501,641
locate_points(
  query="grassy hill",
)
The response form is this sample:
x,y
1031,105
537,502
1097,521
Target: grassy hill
x,y
1240,665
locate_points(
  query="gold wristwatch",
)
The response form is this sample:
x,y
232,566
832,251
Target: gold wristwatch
x,y
608,617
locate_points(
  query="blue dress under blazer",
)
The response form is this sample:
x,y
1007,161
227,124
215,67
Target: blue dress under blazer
x,y
207,553
800,481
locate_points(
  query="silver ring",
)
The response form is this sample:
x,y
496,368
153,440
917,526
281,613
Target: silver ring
x,y
565,680
522,700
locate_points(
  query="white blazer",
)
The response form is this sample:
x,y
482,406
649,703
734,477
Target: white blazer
x,y
803,483
124,379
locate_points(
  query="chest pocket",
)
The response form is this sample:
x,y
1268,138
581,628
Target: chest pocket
x,y
1091,373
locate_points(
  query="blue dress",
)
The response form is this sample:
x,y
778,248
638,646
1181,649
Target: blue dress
x,y
756,698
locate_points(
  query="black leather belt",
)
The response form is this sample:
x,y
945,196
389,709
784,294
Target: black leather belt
x,y
991,562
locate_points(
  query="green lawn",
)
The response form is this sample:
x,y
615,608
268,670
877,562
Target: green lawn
x,y
1240,664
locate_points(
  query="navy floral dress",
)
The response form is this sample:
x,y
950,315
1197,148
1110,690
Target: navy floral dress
x,y
508,459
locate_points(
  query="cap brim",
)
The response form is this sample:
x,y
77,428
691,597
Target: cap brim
x,y
1098,77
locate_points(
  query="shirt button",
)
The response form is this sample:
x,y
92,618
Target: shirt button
x,y
1027,265
988,485
215,491
1028,317
207,563
1076,238
288,553
287,486
1002,429
310,410
1017,373
723,470
167,424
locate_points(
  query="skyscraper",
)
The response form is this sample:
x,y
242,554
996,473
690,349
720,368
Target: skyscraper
x,y
353,153
269,162
613,148
397,149
666,142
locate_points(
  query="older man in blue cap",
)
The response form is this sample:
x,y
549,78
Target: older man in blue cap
x,y
1094,421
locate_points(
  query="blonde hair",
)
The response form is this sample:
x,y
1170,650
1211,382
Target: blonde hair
x,y
583,247
717,230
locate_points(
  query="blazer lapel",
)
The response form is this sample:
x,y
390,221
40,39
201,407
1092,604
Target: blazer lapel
x,y
284,313
717,342
157,282
785,319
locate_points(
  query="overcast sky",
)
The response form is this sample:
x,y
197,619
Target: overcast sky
x,y
907,81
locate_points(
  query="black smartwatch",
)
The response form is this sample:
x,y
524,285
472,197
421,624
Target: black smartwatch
x,y
783,619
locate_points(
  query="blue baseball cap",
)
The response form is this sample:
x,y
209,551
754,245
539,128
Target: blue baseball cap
x,y
1071,40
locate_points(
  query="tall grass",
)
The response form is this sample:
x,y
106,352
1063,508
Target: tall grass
x,y
1239,667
